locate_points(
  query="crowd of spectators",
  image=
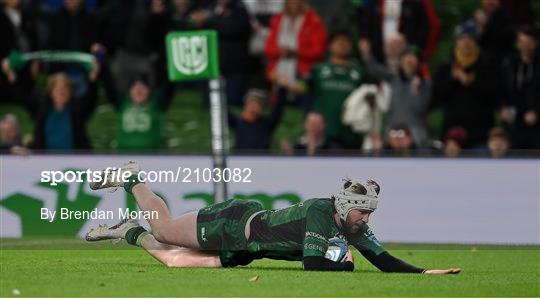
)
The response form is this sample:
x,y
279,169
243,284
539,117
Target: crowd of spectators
x,y
358,71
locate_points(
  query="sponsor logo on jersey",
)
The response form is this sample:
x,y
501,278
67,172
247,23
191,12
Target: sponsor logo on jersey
x,y
315,235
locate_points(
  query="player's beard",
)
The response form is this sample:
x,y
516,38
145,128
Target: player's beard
x,y
351,227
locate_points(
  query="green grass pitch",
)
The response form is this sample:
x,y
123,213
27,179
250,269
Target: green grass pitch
x,y
72,268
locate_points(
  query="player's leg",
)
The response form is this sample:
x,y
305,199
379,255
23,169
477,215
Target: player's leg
x,y
169,255
181,231
179,257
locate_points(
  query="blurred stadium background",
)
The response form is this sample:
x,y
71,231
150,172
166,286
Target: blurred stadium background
x,y
127,37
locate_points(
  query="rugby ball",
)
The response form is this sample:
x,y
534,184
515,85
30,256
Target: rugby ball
x,y
337,250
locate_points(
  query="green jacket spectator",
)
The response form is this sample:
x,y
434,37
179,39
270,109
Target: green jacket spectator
x,y
330,83
139,121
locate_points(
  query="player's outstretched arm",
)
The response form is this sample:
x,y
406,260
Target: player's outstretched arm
x,y
320,263
447,271
388,263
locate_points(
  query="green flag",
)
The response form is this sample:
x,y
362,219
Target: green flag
x,y
192,55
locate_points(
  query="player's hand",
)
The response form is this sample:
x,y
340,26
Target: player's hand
x,y
350,256
447,271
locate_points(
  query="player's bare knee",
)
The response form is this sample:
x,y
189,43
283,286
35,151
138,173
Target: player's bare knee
x,y
178,262
170,264
160,235
160,230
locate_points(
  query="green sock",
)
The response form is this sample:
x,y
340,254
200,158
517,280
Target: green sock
x,y
135,235
140,238
131,182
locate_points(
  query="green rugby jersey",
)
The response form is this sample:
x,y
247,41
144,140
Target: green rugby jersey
x,y
139,125
331,85
303,230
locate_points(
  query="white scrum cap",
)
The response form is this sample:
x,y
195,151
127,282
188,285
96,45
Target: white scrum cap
x,y
360,195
